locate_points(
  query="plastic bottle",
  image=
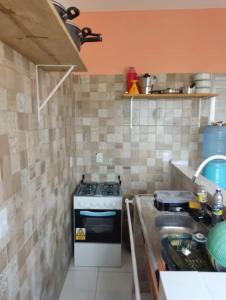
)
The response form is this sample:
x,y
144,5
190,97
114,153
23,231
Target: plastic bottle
x,y
131,75
134,89
202,198
217,207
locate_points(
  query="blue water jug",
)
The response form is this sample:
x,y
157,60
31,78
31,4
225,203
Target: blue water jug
x,y
215,171
214,140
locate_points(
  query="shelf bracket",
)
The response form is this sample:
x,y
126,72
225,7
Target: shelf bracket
x,y
131,112
212,110
42,102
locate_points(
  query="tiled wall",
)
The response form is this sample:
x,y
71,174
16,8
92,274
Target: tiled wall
x,y
35,181
161,131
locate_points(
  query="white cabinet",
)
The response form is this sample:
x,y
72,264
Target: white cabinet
x,y
192,286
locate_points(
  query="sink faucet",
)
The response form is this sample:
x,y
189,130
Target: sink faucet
x,y
205,162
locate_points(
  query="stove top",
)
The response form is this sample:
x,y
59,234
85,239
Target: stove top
x,y
106,189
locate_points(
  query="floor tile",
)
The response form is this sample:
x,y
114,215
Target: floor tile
x,y
79,285
114,285
126,264
78,295
113,295
72,267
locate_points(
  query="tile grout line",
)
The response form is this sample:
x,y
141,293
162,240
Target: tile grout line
x,y
119,272
96,284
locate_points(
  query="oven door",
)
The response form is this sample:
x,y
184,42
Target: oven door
x,y
97,226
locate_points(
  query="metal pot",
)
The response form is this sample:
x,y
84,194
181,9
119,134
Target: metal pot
x,y
66,14
82,36
60,9
146,83
75,33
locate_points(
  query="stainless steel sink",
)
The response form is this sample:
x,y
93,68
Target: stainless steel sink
x,y
179,250
164,230
179,224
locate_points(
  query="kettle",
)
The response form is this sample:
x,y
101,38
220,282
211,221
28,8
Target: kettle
x,y
146,83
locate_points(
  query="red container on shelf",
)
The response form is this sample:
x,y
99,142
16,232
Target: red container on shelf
x,y
131,75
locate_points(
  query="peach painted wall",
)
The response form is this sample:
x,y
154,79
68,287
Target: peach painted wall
x,y
173,41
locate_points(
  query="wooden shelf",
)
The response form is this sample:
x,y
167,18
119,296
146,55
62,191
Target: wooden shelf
x,y
169,96
34,29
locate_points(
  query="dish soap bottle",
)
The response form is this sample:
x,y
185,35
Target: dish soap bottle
x,y
217,207
202,198
134,89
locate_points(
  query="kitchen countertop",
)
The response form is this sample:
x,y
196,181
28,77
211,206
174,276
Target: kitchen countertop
x,y
169,280
147,213
147,216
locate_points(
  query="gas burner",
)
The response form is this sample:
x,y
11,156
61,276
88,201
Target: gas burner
x,y
87,189
111,189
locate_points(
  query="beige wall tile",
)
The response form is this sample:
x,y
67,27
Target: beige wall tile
x,y
35,180
4,145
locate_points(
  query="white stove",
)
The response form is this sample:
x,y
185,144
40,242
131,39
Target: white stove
x,y
97,224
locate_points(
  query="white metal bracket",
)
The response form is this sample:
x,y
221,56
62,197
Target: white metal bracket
x,y
131,112
212,109
42,102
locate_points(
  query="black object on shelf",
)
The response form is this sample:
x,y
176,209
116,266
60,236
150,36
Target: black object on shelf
x,y
89,36
72,12
79,36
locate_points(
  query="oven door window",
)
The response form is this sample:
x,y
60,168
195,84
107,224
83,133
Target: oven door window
x,y
101,226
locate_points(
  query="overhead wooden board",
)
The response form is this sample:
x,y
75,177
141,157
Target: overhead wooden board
x,y
34,28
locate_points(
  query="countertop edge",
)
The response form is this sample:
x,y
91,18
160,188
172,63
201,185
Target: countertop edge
x,y
148,246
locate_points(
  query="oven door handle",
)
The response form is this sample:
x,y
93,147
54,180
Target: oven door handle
x,y
87,213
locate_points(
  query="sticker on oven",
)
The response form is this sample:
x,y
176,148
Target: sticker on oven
x,y
80,234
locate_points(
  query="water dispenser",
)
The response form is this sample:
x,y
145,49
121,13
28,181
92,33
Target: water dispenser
x,y
214,142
